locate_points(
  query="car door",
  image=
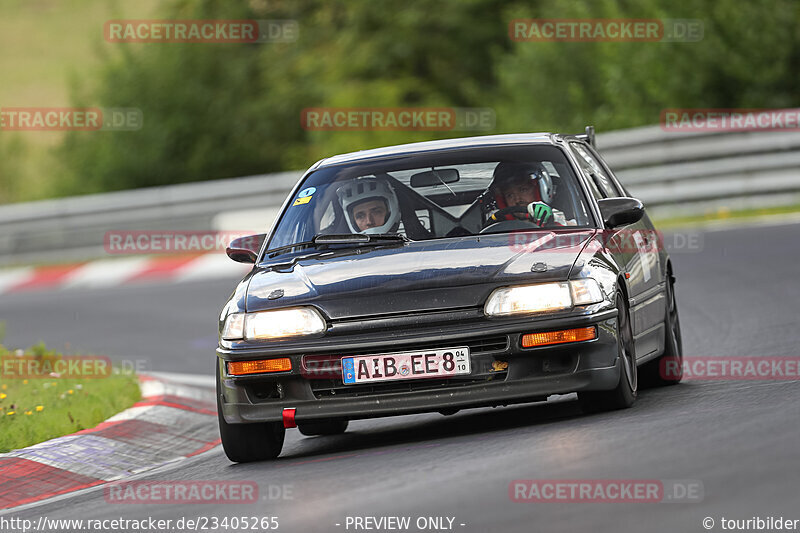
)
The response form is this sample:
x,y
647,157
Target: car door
x,y
637,248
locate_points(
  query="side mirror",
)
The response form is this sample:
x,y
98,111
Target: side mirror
x,y
245,249
620,211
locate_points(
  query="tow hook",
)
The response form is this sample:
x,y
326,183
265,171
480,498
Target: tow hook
x,y
288,418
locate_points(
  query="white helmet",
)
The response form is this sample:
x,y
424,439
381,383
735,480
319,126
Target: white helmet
x,y
361,190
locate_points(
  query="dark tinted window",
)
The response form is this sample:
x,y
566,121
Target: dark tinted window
x,y
432,208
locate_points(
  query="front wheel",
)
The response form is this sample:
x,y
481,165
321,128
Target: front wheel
x,y
625,392
245,443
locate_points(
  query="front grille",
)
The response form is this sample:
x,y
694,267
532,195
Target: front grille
x,y
324,371
478,345
498,343
336,389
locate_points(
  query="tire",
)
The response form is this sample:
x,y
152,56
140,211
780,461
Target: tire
x,y
324,427
245,443
667,369
624,395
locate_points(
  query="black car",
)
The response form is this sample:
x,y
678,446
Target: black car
x,y
439,276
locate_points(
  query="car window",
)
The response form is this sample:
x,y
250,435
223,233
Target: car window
x,y
424,196
594,170
594,190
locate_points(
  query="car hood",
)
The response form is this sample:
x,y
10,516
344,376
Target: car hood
x,y
417,276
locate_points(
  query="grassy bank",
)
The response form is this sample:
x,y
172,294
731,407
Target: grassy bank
x,y
39,403
725,214
51,49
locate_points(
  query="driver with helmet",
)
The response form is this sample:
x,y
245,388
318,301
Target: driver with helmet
x,y
524,190
370,205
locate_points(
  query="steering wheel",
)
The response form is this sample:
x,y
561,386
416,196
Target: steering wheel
x,y
500,215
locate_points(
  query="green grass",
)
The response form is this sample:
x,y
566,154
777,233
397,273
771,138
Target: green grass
x,y
50,49
45,406
725,214
48,45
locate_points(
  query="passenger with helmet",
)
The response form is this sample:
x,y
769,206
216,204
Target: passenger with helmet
x,y
524,190
370,205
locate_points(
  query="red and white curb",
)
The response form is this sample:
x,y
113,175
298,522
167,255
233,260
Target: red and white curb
x,y
171,422
122,271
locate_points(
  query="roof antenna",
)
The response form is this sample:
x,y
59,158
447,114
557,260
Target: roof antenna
x,y
590,136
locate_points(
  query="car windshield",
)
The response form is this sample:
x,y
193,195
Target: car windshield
x,y
434,195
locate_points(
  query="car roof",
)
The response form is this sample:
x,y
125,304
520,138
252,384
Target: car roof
x,y
442,144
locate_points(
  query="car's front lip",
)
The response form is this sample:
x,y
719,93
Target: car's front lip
x,y
593,367
488,394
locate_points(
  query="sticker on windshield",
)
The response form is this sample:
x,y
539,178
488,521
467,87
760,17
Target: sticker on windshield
x,y
304,196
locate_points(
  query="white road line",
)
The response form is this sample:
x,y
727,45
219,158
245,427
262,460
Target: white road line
x,y
14,276
131,413
213,265
105,273
197,380
152,388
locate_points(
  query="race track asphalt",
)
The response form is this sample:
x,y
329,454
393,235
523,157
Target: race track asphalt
x,y
738,296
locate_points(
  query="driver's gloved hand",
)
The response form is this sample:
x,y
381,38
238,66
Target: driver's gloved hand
x,y
540,213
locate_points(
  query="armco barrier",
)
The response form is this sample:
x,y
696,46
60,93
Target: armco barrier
x,y
690,173
73,228
673,173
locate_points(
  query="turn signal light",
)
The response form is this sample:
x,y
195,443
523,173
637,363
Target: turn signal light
x,y
559,337
242,368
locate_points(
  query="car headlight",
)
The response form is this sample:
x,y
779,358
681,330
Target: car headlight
x,y
234,327
542,297
585,291
276,324
283,323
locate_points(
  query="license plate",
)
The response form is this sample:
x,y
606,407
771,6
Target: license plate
x,y
441,363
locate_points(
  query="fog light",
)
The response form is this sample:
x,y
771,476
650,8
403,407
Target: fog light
x,y
242,368
559,337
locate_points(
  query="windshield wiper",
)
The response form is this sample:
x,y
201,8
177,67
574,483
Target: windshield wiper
x,y
342,238
359,238
324,240
276,251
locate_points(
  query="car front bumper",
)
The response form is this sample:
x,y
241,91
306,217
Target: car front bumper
x,y
531,374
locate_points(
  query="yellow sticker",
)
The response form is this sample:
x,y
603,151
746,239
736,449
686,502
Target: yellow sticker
x,y
301,201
